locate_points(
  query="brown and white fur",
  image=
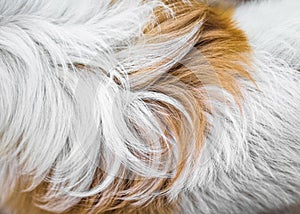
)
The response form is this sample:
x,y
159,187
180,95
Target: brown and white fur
x,y
149,106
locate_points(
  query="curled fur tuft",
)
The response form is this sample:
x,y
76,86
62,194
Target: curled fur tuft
x,y
148,106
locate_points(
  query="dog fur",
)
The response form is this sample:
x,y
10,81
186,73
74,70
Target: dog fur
x,y
131,106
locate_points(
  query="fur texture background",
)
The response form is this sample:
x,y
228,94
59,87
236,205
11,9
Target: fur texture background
x,y
108,106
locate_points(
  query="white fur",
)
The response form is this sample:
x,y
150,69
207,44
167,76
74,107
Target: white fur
x,y
253,160
72,120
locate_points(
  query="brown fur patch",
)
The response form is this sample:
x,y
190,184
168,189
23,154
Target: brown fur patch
x,y
219,58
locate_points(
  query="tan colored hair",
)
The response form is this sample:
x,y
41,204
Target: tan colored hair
x,y
219,57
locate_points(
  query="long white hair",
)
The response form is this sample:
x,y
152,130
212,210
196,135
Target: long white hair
x,y
92,108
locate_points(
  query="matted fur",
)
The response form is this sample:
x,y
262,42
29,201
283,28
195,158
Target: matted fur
x,y
136,106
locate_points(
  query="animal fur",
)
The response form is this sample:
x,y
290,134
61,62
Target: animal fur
x,y
131,106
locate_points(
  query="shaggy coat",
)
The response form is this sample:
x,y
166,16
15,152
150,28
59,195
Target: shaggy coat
x,y
149,106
